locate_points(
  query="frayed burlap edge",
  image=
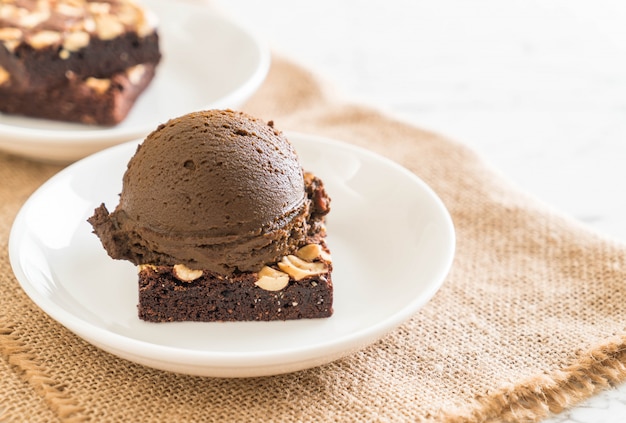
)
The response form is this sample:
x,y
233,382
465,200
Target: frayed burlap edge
x,y
18,355
537,398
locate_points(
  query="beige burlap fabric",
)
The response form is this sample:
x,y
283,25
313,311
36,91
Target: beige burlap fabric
x,y
530,319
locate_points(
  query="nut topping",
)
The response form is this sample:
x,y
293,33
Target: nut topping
x,y
43,39
146,266
7,34
89,25
4,75
299,269
33,19
271,279
98,85
69,9
108,27
135,73
129,15
76,40
24,20
311,252
185,274
99,8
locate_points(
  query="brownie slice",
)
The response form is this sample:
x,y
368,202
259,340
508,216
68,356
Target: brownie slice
x,y
94,101
163,297
298,286
41,41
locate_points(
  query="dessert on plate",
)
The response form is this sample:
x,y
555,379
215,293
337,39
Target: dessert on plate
x,y
222,222
102,53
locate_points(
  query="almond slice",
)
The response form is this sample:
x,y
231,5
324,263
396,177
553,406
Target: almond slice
x,y
271,279
299,269
185,274
311,252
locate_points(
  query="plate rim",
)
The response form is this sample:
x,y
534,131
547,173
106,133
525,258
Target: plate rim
x,y
210,361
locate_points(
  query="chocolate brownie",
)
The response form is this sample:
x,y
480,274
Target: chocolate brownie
x,y
165,295
96,101
41,41
298,286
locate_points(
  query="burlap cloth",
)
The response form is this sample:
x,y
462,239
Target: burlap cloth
x,y
529,321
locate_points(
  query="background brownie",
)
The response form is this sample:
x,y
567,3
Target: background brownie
x,y
40,41
100,101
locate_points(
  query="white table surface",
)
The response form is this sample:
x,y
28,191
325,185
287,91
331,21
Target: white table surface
x,y
538,87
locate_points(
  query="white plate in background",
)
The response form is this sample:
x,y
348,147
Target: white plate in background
x,y
391,238
208,62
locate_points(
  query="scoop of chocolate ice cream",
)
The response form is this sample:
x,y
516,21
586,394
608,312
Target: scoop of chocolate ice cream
x,y
216,190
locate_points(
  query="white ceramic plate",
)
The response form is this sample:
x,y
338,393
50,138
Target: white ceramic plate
x,y
391,238
208,62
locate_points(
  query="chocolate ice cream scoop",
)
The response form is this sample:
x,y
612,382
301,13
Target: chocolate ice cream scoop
x,y
216,190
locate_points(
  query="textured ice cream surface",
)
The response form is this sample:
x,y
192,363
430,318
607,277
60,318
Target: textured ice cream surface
x,y
216,190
